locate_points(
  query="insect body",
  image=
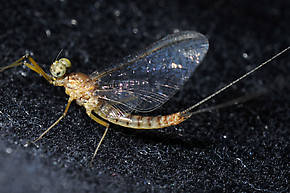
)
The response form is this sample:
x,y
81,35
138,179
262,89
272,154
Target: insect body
x,y
141,84
82,88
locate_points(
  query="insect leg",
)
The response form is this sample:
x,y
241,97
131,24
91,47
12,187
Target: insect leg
x,y
57,121
38,69
99,144
14,64
33,66
107,128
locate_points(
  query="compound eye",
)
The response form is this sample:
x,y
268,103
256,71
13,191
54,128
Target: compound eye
x,y
66,62
57,69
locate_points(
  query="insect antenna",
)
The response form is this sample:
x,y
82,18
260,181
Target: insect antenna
x,y
57,56
187,111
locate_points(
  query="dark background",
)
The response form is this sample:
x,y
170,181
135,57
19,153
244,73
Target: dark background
x,y
238,149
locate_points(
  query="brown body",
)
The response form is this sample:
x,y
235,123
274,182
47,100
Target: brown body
x,y
81,88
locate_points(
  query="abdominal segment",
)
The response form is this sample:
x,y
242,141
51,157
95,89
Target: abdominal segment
x,y
146,122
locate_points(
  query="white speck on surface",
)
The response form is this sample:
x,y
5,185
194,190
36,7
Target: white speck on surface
x,y
74,22
117,13
245,55
239,159
23,73
135,30
176,30
48,33
8,150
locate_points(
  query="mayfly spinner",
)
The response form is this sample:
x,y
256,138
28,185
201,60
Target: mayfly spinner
x,y
141,84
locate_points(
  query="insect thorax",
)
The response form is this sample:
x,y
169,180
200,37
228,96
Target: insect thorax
x,y
79,87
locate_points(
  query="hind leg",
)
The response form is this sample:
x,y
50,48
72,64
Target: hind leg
x,y
89,113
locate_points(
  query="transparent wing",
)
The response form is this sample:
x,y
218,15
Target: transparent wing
x,y
149,78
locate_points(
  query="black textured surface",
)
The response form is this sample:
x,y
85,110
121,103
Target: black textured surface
x,y
238,149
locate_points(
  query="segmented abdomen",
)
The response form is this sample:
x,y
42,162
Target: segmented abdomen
x,y
148,122
145,122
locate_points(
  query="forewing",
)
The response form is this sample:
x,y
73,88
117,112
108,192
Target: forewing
x,y
149,78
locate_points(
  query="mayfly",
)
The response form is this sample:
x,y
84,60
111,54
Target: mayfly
x,y
141,84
